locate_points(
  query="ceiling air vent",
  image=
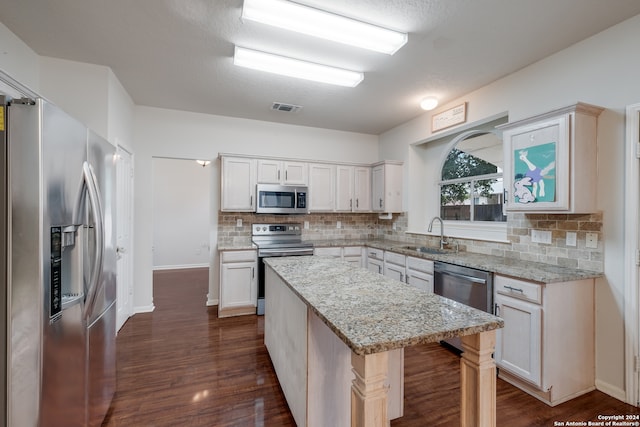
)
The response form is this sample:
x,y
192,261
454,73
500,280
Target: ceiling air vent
x,y
287,108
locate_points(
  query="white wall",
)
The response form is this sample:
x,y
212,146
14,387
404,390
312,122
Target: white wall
x,y
601,70
179,134
181,214
18,60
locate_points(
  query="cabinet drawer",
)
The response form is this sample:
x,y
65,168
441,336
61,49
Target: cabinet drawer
x,y
519,289
352,251
238,256
394,258
419,264
331,251
375,254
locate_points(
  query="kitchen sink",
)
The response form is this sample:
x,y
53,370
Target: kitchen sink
x,y
426,250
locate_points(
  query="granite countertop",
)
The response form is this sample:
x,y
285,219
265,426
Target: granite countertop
x,y
372,313
527,270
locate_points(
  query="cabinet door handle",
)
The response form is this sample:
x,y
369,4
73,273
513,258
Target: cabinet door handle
x,y
379,269
357,204
278,175
380,202
253,272
401,277
286,175
251,201
350,203
512,289
496,310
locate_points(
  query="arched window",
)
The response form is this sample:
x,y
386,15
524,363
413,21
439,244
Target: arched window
x,y
471,180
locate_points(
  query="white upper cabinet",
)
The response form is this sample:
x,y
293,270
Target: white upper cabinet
x,y
550,162
362,189
344,188
322,187
353,188
387,187
281,172
333,187
238,184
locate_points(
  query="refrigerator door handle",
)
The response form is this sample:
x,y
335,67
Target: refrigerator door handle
x,y
96,208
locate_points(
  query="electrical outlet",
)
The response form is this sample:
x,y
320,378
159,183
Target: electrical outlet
x,y
339,224
541,236
239,222
592,240
572,238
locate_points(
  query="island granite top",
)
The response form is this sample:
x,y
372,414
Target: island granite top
x,y
372,313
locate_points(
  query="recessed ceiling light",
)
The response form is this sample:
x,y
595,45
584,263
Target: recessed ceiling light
x,y
319,23
429,103
291,67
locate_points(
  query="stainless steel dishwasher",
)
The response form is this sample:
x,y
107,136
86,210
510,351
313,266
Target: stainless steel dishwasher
x,y
463,284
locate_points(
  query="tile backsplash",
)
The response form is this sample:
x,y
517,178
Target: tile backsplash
x,y
329,226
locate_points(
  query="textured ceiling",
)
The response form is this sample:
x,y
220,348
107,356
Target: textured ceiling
x,y
178,53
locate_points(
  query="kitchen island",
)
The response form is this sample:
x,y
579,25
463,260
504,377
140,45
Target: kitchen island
x,y
325,318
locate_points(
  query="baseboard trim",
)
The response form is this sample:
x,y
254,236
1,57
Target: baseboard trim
x,y
211,302
144,309
613,391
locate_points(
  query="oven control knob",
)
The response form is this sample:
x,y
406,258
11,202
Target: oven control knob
x,y
297,227
257,228
264,228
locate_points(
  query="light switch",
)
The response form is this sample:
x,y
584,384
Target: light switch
x,y
592,240
239,222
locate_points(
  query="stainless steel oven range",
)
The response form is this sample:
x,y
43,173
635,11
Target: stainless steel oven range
x,y
275,240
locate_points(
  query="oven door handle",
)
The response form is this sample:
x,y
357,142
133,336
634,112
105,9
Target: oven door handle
x,y
286,252
462,276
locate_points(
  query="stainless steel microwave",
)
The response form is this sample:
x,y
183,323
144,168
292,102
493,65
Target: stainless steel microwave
x,y
281,199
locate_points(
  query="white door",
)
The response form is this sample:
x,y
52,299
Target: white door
x,y
124,224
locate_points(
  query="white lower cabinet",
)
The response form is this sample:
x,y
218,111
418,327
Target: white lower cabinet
x,y
395,266
375,260
518,344
238,283
351,254
546,347
420,273
333,251
417,272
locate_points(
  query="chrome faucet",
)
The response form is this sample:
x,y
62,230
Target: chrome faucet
x,y
443,241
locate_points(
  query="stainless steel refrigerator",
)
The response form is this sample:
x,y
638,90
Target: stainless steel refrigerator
x,y
58,196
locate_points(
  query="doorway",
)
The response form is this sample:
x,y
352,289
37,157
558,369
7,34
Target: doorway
x,y
124,221
181,219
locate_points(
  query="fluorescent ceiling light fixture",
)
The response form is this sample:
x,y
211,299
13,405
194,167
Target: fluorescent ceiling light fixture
x,y
318,23
291,67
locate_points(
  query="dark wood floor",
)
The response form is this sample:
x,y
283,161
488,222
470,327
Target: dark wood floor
x,y
182,366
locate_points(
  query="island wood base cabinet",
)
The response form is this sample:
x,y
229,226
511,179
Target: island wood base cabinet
x,y
327,384
314,367
546,347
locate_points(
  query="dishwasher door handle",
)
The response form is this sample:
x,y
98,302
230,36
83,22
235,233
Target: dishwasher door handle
x,y
462,276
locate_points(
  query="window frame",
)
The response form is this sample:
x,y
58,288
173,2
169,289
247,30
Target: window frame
x,y
476,230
